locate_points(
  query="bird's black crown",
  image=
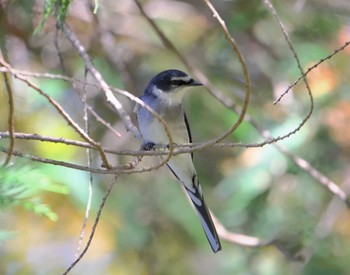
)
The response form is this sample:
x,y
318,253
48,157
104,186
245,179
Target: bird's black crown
x,y
170,80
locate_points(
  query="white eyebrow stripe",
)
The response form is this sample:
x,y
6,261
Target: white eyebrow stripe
x,y
183,78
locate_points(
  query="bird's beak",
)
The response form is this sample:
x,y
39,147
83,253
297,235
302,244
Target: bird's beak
x,y
195,83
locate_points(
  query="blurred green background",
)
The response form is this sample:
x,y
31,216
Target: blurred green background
x,y
148,226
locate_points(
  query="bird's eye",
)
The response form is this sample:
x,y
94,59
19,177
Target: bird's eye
x,y
177,82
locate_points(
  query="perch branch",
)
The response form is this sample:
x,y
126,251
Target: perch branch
x,y
10,120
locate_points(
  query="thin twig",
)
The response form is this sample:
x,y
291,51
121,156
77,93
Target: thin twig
x,y
89,161
102,121
98,77
291,47
245,71
331,186
115,102
303,164
180,148
240,239
59,53
93,230
65,115
229,103
336,51
10,120
167,43
120,169
64,164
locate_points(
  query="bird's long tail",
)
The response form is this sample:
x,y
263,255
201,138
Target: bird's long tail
x,y
197,199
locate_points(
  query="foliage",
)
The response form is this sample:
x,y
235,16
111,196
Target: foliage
x,y
59,8
147,226
23,186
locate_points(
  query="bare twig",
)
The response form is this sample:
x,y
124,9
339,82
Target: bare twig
x,y
120,169
180,148
59,53
235,238
63,163
167,43
88,155
10,120
64,114
329,216
301,163
336,51
331,186
115,103
102,121
291,47
93,230
96,74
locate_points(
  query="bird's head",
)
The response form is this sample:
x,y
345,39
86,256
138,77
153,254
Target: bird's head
x,y
170,86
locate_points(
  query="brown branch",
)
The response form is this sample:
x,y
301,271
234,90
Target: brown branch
x,y
63,163
93,230
70,80
245,71
115,103
291,47
89,161
336,51
331,186
240,239
224,100
102,121
331,213
111,99
64,114
167,43
10,120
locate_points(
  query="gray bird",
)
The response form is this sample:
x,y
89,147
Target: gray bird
x,y
164,95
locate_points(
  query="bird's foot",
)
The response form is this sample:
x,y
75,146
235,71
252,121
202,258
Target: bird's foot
x,y
148,146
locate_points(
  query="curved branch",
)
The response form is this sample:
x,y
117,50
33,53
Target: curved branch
x,y
10,120
336,51
93,230
98,77
64,114
114,101
240,239
167,43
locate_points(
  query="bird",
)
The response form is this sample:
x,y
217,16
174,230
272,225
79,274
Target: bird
x,y
164,94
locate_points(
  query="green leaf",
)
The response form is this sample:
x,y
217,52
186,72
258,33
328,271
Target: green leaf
x,y
57,7
48,9
22,185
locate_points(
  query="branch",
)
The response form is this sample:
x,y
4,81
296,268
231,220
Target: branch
x,y
291,47
168,44
331,186
93,230
115,102
63,163
240,239
89,161
10,120
64,114
336,51
98,77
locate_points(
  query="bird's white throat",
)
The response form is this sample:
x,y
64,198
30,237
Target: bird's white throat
x,y
170,98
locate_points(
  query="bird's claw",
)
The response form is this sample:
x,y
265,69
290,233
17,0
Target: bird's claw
x,y
148,146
